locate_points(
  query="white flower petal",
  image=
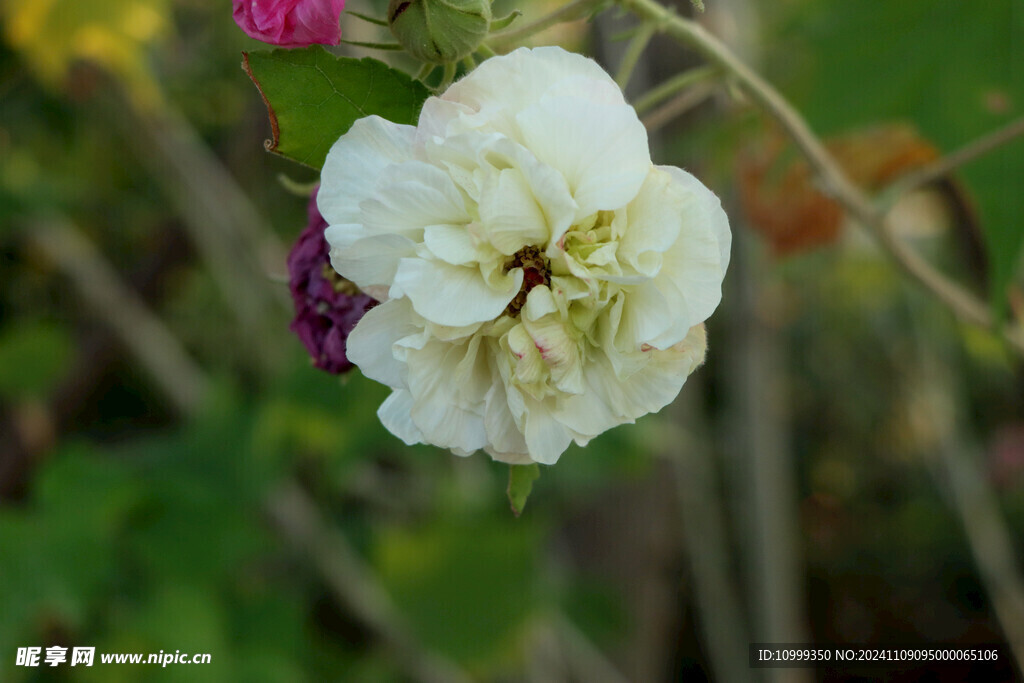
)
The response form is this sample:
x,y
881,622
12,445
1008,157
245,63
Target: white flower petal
x,y
693,268
710,206
586,413
645,316
416,195
557,347
463,157
395,415
453,295
546,437
372,260
530,368
448,411
654,217
356,162
499,88
600,149
371,343
449,333
503,434
548,186
512,457
436,115
510,215
451,243
539,303
655,384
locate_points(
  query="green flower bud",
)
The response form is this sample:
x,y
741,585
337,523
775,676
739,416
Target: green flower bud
x,y
439,31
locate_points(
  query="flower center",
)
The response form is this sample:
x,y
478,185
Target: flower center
x,y
536,271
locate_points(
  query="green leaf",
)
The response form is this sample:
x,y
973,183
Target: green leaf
x,y
313,97
520,483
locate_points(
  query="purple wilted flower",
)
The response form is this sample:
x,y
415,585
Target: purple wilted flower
x,y
327,306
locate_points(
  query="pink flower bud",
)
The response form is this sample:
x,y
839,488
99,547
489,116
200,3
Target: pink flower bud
x,y
290,23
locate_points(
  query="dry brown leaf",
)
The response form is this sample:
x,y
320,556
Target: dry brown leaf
x,y
782,202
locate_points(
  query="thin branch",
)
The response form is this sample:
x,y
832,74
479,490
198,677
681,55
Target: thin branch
x,y
543,654
834,181
233,238
588,662
948,163
971,496
991,542
354,586
158,351
634,51
719,54
715,593
682,81
578,9
677,106
758,436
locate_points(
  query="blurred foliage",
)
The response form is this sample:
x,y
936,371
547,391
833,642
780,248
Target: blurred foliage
x,y
130,529
467,586
52,34
34,357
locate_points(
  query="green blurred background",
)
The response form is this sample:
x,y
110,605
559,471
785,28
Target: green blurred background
x,y
174,475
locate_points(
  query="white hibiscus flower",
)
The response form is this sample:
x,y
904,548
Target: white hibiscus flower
x,y
542,280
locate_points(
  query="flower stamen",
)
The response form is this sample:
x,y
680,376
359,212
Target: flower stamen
x,y
536,271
